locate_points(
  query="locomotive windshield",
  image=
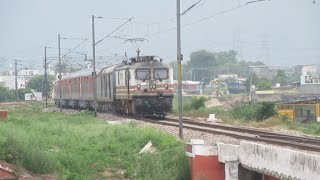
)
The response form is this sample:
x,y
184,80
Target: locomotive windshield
x,y
161,74
143,74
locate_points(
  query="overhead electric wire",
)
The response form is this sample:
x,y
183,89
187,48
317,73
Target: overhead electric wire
x,y
197,21
129,20
215,15
70,50
192,6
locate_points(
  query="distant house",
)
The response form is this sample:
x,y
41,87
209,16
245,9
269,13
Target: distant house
x,y
23,76
9,82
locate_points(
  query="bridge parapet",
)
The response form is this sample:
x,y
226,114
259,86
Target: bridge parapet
x,y
279,162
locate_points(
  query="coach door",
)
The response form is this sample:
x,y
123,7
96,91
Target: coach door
x,y
127,79
109,86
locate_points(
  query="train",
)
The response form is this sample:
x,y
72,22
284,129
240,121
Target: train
x,y
140,86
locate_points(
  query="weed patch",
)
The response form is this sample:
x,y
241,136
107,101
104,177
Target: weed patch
x,y
78,146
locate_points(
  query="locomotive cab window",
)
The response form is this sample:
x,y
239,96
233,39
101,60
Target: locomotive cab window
x,y
143,74
160,74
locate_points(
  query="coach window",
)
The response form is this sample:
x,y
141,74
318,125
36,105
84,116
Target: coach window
x,y
160,74
143,74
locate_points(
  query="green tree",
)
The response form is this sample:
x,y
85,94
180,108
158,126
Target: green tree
x,y
202,58
281,78
64,67
185,70
263,84
6,94
226,57
254,78
37,83
265,110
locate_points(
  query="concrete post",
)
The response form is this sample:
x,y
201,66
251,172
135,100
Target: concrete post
x,y
231,170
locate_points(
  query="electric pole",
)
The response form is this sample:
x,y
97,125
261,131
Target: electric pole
x,y
94,69
45,76
95,105
60,83
16,78
179,69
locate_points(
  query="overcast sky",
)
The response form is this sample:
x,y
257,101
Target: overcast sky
x,y
276,32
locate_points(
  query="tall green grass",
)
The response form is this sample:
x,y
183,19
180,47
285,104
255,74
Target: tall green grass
x,y
78,146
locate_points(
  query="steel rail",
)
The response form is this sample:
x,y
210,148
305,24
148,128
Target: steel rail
x,y
235,133
258,132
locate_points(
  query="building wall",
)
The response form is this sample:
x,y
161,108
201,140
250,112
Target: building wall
x,y
28,72
9,82
309,90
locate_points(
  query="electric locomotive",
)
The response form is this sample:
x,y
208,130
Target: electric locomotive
x,y
140,86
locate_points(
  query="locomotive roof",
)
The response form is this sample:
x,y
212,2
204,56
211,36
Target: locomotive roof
x,y
85,72
142,62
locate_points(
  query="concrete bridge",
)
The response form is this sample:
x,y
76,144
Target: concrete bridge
x,y
251,161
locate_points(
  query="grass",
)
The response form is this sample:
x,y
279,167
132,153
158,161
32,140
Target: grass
x,y
235,117
78,146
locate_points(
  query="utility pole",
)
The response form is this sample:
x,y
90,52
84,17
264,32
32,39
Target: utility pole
x,y
16,78
94,69
250,84
85,57
60,84
45,76
179,70
95,105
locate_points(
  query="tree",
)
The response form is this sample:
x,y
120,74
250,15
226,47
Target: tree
x,y
64,67
202,58
6,94
263,84
185,71
205,58
265,110
281,78
253,78
37,83
227,57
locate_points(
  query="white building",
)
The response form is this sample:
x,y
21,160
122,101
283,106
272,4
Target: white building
x,y
23,77
9,82
28,72
309,75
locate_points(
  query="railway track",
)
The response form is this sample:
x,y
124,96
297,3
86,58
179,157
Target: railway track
x,y
246,133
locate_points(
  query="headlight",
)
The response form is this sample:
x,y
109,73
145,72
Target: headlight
x,y
154,86
167,86
138,87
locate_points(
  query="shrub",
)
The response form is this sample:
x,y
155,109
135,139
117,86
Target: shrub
x,y
197,103
244,111
265,110
259,112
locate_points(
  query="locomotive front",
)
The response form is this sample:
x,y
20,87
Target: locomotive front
x,y
151,86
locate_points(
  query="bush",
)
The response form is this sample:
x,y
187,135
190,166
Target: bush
x,y
265,110
259,112
244,111
197,103
10,94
